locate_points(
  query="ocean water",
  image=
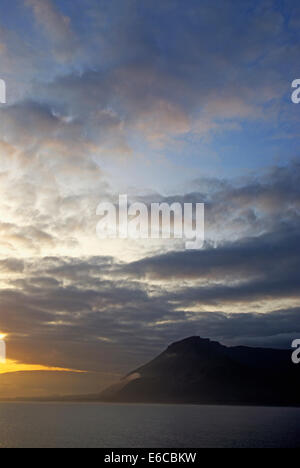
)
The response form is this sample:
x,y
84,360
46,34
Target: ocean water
x,y
150,426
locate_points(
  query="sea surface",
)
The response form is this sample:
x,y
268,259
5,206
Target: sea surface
x,y
150,426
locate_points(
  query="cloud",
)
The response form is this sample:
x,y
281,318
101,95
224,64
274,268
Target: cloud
x,y
254,257
57,27
11,265
191,81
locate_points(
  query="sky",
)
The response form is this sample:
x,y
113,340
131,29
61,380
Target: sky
x,y
164,101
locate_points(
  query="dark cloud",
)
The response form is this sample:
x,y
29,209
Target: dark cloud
x,y
273,254
12,265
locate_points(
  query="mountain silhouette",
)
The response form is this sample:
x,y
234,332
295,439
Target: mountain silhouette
x,y
197,370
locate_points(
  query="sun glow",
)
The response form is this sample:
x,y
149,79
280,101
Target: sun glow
x,y
8,366
14,366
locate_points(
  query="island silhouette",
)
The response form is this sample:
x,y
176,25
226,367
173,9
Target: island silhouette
x,y
201,371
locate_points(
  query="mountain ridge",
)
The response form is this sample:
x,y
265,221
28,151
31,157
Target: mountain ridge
x,y
199,370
